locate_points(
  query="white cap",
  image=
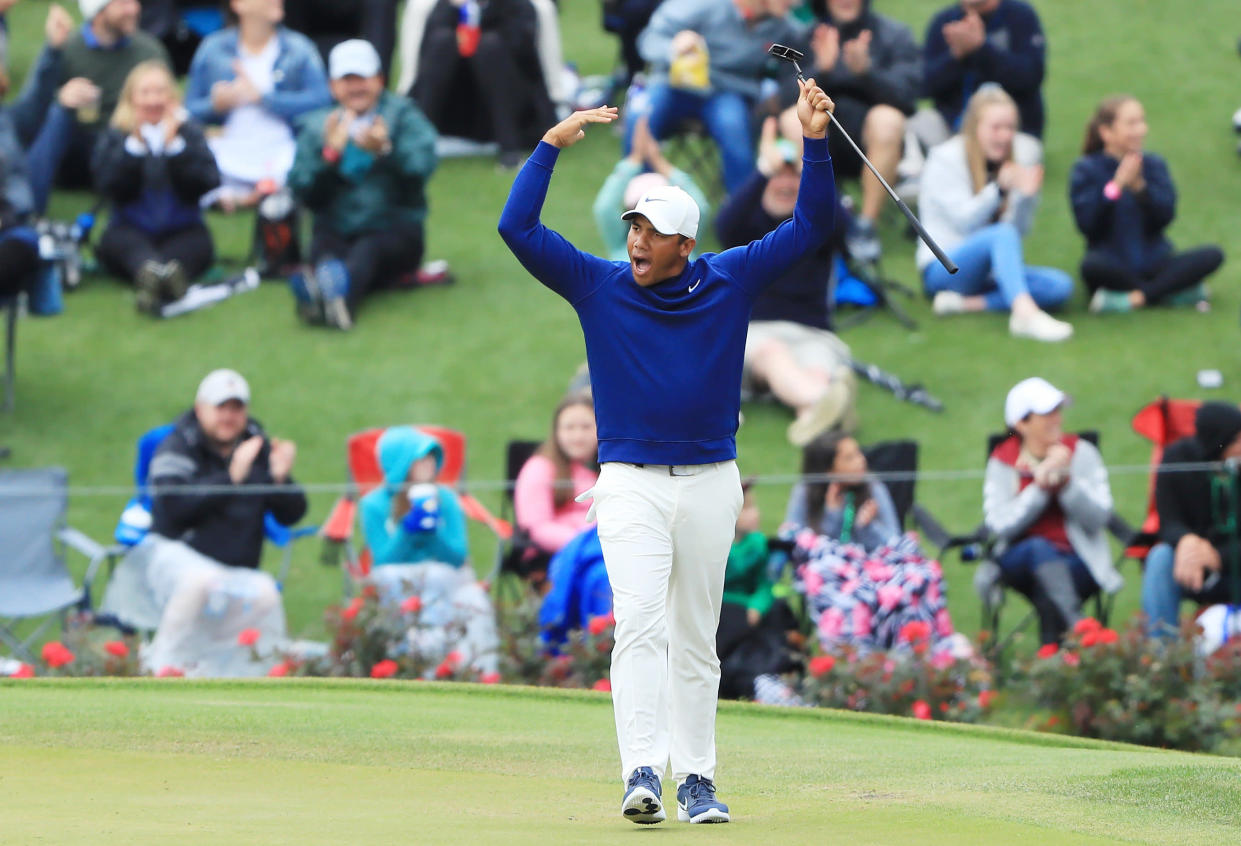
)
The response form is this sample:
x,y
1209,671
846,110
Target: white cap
x,y
220,386
669,209
90,8
1032,396
355,57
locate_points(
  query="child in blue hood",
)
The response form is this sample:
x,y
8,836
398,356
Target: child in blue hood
x,y
410,519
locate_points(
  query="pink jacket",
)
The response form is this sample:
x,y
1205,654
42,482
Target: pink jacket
x,y
533,502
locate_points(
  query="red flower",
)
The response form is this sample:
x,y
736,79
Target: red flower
x,y
821,665
985,698
444,670
916,631
1090,638
1108,636
385,669
411,605
56,654
1086,624
602,684
921,710
943,707
169,673
1071,659
117,648
280,670
25,671
489,678
599,625
351,611
455,658
248,637
1047,650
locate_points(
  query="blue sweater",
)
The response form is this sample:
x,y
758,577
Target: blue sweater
x,y
665,361
1129,229
1012,56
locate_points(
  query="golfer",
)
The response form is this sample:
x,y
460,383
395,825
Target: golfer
x,y
664,339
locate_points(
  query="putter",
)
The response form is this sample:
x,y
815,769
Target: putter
x,y
788,54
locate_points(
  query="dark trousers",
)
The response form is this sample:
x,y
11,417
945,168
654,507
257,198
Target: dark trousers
x,y
374,260
446,79
1054,580
1175,273
19,261
329,22
747,651
123,249
74,171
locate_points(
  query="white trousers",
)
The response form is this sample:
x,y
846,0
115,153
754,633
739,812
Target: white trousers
x,y
665,538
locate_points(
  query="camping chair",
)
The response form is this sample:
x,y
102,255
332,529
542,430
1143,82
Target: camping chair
x,y
34,581
135,520
978,548
1161,422
518,560
365,475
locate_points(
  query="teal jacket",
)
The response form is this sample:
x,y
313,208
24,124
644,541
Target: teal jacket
x,y
610,199
389,542
364,193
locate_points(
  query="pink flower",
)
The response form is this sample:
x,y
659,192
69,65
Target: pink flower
x,y
921,710
454,658
25,671
444,670
56,654
821,665
1071,659
351,611
985,698
489,678
117,648
942,660
280,670
384,669
248,637
602,684
411,605
1047,650
169,673
599,625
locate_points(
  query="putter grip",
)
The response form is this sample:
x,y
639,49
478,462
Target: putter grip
x,y
949,264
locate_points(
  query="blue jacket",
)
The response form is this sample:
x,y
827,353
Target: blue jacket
x,y
665,361
1013,56
300,80
390,543
1129,229
579,590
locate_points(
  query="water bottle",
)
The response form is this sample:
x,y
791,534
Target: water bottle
x,y
424,509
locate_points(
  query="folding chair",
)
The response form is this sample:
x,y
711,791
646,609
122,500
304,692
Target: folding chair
x,y
1161,422
518,560
978,548
34,581
365,475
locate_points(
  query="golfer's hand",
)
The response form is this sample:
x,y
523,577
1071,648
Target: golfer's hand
x,y
813,107
573,128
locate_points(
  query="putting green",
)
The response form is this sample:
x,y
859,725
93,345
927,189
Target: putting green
x,y
306,761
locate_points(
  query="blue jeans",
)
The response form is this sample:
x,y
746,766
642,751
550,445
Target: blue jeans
x,y
1162,594
991,265
1020,560
727,116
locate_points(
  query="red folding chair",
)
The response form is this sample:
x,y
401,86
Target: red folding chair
x,y
1160,422
365,475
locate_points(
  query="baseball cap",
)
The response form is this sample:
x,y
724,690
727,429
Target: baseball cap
x,y
220,386
355,57
90,8
669,209
1032,396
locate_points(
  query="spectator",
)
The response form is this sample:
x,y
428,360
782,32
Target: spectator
x,y
465,46
790,347
329,22
1047,500
410,519
852,507
977,199
19,251
1197,555
107,48
181,26
981,41
362,168
627,19
565,465
628,181
707,59
873,68
256,78
154,165
213,481
1123,200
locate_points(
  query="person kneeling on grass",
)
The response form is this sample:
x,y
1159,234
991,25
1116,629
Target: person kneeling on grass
x,y
362,169
153,164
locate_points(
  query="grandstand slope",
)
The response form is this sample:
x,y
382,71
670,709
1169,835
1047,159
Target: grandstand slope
x,y
301,761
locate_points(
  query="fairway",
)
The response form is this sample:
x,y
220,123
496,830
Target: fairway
x,y
363,762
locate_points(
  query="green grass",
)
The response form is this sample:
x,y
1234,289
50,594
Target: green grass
x,y
492,354
301,762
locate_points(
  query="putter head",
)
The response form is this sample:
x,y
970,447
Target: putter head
x,y
788,54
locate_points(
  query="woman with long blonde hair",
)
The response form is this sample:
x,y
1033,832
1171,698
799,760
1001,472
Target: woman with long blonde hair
x,y
153,164
977,199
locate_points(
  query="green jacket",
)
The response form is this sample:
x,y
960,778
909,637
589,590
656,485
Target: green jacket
x,y
745,579
364,193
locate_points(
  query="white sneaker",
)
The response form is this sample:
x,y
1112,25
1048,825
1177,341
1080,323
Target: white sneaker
x,y
947,302
1040,326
